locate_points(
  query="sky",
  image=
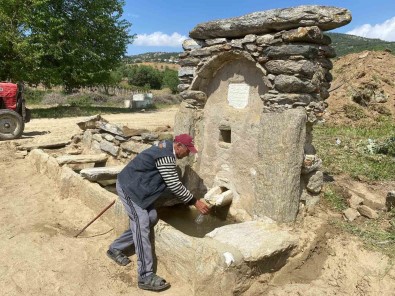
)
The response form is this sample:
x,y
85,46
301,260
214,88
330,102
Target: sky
x,y
162,25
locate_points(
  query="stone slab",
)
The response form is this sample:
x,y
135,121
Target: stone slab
x,y
256,240
261,22
73,159
103,173
52,145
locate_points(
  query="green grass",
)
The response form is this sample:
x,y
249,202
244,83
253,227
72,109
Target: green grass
x,y
351,157
373,234
334,198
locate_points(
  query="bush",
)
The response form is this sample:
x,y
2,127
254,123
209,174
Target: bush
x,y
54,98
34,96
353,112
166,99
387,147
145,76
79,100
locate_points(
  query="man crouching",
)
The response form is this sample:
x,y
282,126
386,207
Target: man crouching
x,y
138,186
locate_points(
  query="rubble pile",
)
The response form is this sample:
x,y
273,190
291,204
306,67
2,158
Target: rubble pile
x,y
121,143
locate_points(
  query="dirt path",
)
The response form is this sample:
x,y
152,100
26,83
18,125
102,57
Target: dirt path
x,y
39,255
44,130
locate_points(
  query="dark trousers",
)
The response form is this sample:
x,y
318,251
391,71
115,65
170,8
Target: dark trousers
x,y
141,222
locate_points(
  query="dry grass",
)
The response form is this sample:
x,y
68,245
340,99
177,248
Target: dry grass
x,y
161,66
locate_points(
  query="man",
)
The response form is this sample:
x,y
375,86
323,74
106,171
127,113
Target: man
x,y
139,185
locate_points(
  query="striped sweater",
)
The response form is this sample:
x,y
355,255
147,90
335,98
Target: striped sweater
x,y
167,168
146,176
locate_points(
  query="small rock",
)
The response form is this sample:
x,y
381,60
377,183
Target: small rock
x,y
351,214
149,137
355,201
109,137
364,55
367,212
20,154
315,182
390,200
97,137
90,122
109,147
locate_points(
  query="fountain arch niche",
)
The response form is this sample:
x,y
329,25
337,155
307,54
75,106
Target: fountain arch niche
x,y
242,147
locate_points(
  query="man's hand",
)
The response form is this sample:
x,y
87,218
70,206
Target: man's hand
x,y
202,207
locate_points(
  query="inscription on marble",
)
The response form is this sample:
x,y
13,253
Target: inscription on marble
x,y
238,95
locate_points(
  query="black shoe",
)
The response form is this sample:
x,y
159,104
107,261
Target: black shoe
x,y
119,257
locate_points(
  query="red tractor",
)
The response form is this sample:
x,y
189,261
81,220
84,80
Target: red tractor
x,y
13,112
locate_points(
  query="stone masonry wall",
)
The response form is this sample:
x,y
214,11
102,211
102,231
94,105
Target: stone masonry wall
x,y
292,53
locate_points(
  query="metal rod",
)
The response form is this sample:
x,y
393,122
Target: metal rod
x,y
101,213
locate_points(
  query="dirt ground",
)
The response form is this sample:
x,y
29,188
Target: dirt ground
x,y
40,256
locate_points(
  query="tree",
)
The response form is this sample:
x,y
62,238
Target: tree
x,y
170,79
145,76
14,47
69,42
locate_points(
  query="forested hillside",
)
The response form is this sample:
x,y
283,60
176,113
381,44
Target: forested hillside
x,y
159,57
345,44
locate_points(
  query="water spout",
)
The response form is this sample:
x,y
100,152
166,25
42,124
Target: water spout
x,y
219,196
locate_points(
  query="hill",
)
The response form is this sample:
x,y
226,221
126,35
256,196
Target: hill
x,y
158,57
346,44
343,43
363,87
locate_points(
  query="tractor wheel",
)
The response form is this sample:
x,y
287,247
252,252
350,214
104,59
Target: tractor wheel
x,y
11,125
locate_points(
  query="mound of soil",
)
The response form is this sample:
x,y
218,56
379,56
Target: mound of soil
x,y
363,87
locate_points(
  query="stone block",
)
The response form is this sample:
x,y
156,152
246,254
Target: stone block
x,y
110,128
186,71
351,214
191,44
97,137
189,62
182,87
306,34
292,84
315,181
101,173
264,39
367,212
215,41
134,147
289,67
355,201
109,148
90,122
250,38
197,96
284,51
280,148
109,137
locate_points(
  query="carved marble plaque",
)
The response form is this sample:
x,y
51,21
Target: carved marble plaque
x,y
238,94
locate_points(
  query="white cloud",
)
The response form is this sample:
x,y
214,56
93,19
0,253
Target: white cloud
x,y
384,31
159,39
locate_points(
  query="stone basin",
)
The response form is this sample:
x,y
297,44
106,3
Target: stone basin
x,y
224,262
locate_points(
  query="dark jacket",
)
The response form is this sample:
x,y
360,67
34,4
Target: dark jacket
x,y
140,179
